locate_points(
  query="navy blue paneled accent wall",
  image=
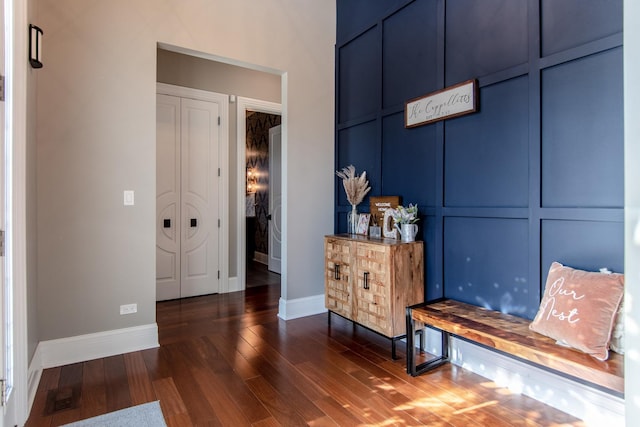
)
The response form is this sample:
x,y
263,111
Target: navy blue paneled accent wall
x,y
535,176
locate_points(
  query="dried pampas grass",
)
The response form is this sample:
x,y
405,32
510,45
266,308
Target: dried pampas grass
x,y
355,186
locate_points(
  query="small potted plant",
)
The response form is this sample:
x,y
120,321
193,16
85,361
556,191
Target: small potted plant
x,y
404,219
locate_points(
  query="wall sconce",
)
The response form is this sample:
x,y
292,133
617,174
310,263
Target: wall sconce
x,y
35,46
252,181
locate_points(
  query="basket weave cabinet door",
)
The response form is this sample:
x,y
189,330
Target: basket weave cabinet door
x,y
373,288
337,269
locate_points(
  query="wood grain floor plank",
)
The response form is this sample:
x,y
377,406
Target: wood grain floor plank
x,y
117,388
197,405
171,402
94,393
285,367
237,389
342,391
269,422
279,379
225,344
223,406
141,389
178,420
341,415
277,405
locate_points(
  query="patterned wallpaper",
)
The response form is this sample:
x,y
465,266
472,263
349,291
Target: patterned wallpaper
x,y
258,125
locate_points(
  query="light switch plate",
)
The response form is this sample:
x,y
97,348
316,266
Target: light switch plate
x,y
128,198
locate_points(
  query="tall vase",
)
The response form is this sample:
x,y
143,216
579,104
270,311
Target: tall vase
x,y
352,220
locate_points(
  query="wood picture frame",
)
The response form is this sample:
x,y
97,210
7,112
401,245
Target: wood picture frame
x,y
452,101
363,224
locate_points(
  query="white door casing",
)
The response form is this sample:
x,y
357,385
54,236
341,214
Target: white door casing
x,y
275,198
191,213
5,355
14,216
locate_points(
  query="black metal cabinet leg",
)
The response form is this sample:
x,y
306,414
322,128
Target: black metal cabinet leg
x,y
393,349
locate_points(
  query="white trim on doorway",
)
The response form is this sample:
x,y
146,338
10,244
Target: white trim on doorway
x,y
16,173
242,105
223,195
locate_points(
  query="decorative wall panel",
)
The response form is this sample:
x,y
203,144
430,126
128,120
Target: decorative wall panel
x,y
487,154
408,161
484,37
582,135
535,175
359,146
486,264
358,78
587,245
571,23
404,43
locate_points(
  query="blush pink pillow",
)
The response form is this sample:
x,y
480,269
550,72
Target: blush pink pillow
x,y
578,309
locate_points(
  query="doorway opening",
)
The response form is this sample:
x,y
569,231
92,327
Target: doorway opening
x,y
255,118
263,198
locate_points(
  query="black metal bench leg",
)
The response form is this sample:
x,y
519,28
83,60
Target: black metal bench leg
x,y
411,350
422,339
412,368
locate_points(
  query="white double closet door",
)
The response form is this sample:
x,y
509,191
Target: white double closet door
x,y
187,186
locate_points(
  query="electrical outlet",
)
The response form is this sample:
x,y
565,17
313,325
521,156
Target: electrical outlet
x,y
128,309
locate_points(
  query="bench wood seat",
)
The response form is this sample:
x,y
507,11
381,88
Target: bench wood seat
x,y
511,335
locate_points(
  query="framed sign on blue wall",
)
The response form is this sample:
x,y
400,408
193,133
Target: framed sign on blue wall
x,y
452,101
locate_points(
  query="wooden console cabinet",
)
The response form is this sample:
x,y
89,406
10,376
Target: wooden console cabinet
x,y
372,281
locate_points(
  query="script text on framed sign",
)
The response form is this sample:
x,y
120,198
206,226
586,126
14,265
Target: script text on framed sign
x,y
452,101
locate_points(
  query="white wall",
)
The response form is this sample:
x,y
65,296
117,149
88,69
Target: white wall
x,y
632,208
96,138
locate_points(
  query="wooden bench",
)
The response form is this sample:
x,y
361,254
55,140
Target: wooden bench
x,y
509,335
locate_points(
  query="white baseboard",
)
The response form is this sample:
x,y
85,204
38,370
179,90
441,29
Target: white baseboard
x,y
260,257
33,379
81,348
234,285
301,307
593,406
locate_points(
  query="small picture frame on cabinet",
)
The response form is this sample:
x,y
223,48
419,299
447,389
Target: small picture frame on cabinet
x,y
363,224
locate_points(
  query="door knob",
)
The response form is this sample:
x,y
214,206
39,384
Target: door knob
x,y
166,223
269,217
194,222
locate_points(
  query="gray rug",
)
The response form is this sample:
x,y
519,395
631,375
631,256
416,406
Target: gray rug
x,y
146,415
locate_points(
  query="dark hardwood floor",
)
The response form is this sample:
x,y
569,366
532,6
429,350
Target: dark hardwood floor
x,y
228,360
258,275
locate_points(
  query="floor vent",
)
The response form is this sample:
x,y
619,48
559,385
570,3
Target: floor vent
x,y
61,399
